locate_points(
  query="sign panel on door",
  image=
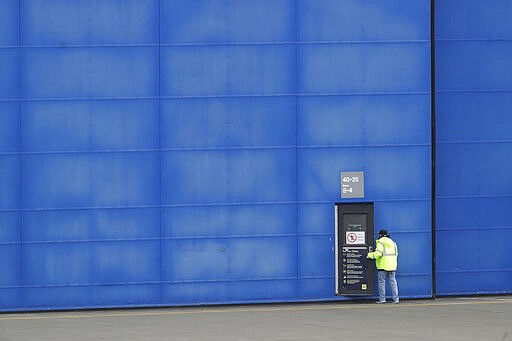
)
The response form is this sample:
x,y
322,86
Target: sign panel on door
x,y
355,275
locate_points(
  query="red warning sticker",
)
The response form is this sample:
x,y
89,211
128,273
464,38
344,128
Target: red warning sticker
x,y
355,237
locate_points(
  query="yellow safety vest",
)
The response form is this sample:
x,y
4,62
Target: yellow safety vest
x,y
385,254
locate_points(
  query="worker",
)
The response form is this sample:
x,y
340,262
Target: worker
x,y
385,255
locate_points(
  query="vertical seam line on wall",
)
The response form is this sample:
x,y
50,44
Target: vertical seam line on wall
x,y
159,100
20,148
433,141
296,145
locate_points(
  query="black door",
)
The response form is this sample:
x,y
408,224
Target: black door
x,y
355,275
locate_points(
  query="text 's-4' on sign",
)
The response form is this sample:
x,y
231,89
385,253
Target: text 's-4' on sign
x,y
352,184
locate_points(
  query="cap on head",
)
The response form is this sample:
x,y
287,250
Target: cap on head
x,y
383,233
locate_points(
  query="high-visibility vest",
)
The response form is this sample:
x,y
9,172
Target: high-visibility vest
x,y
385,254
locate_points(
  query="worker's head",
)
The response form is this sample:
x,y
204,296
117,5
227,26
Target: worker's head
x,y
383,233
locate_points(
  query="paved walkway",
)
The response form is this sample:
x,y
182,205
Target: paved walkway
x,y
470,318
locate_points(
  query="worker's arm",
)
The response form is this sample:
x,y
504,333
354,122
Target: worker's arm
x,y
379,251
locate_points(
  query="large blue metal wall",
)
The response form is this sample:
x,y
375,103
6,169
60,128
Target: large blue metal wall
x,y
474,148
189,151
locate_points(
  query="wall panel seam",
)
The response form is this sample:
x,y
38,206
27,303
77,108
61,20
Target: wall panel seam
x,y
220,96
209,44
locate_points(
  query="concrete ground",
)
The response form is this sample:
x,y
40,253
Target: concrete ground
x,y
469,318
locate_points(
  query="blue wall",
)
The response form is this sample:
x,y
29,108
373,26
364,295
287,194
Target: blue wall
x,y
188,152
474,146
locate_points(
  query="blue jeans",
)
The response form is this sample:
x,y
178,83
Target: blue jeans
x,y
392,283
